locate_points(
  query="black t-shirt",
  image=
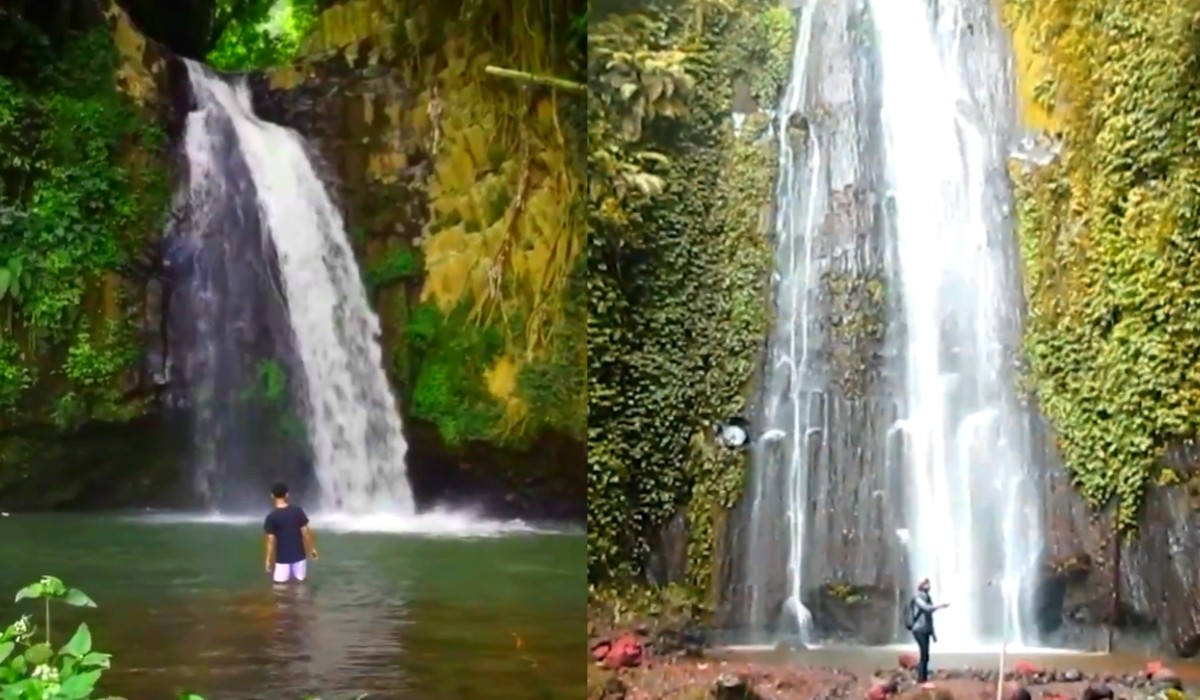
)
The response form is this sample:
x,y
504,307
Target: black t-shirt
x,y
285,524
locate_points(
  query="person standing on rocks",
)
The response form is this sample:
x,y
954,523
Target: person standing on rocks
x,y
920,622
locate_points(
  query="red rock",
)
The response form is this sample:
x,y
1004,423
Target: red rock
x,y
626,651
880,690
1166,675
908,660
600,649
1026,668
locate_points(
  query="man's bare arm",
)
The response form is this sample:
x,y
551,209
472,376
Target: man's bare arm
x,y
310,544
270,560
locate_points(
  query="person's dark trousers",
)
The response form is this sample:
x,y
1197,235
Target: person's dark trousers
x,y
922,663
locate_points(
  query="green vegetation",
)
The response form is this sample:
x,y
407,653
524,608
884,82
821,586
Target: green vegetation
x,y
453,355
678,262
399,264
81,193
272,397
257,34
466,385
31,668
1110,236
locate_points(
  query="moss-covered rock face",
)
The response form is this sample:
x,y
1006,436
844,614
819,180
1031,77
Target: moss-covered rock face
x,y
678,265
463,193
1110,233
83,195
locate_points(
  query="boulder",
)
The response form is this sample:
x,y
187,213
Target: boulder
x,y
1097,692
729,686
613,689
623,652
1026,668
1166,678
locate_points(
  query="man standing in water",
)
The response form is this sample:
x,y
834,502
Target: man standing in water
x,y
920,619
289,539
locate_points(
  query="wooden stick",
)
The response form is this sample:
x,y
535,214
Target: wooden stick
x,y
544,80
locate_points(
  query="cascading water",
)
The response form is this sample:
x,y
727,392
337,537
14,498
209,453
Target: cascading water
x,y
352,423
790,381
971,509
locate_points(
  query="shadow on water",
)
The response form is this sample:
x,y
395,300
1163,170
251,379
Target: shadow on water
x,y
188,606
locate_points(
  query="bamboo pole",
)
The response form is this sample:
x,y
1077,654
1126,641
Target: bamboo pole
x,y
1115,562
534,79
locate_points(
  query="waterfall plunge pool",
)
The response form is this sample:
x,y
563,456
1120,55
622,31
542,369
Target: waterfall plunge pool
x,y
487,611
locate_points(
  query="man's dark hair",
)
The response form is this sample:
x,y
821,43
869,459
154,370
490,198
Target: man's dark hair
x,y
279,490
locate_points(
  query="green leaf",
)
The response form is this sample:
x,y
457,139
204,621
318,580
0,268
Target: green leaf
x,y
81,642
38,654
79,686
33,590
16,691
53,586
5,650
97,658
79,599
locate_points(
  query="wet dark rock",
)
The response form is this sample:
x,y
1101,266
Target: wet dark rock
x,y
613,689
730,686
1097,692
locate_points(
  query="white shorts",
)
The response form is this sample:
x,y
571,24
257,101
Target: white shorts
x,y
298,571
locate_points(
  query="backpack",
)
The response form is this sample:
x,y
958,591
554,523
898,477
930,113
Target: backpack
x,y
909,615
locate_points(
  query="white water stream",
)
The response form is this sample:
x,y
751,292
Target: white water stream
x,y
351,416
789,383
972,511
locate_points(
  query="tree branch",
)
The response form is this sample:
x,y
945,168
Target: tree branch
x,y
532,79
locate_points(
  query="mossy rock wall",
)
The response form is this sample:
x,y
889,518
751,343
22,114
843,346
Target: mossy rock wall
x,y
84,191
463,196
1109,223
678,273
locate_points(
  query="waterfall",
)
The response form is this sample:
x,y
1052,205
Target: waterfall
x,y
971,507
902,454
790,379
353,427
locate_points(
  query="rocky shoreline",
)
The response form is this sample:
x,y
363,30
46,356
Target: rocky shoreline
x,y
624,668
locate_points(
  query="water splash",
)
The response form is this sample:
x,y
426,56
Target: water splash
x,y
351,417
972,510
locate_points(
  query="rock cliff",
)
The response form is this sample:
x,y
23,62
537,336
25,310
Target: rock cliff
x,y
462,195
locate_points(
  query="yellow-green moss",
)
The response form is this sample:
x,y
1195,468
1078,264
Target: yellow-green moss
x,y
1110,235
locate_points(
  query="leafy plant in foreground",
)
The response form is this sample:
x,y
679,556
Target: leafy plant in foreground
x,y
31,669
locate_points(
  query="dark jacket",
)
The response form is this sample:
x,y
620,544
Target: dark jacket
x,y
922,610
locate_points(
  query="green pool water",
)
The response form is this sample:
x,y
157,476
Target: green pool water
x,y
450,610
